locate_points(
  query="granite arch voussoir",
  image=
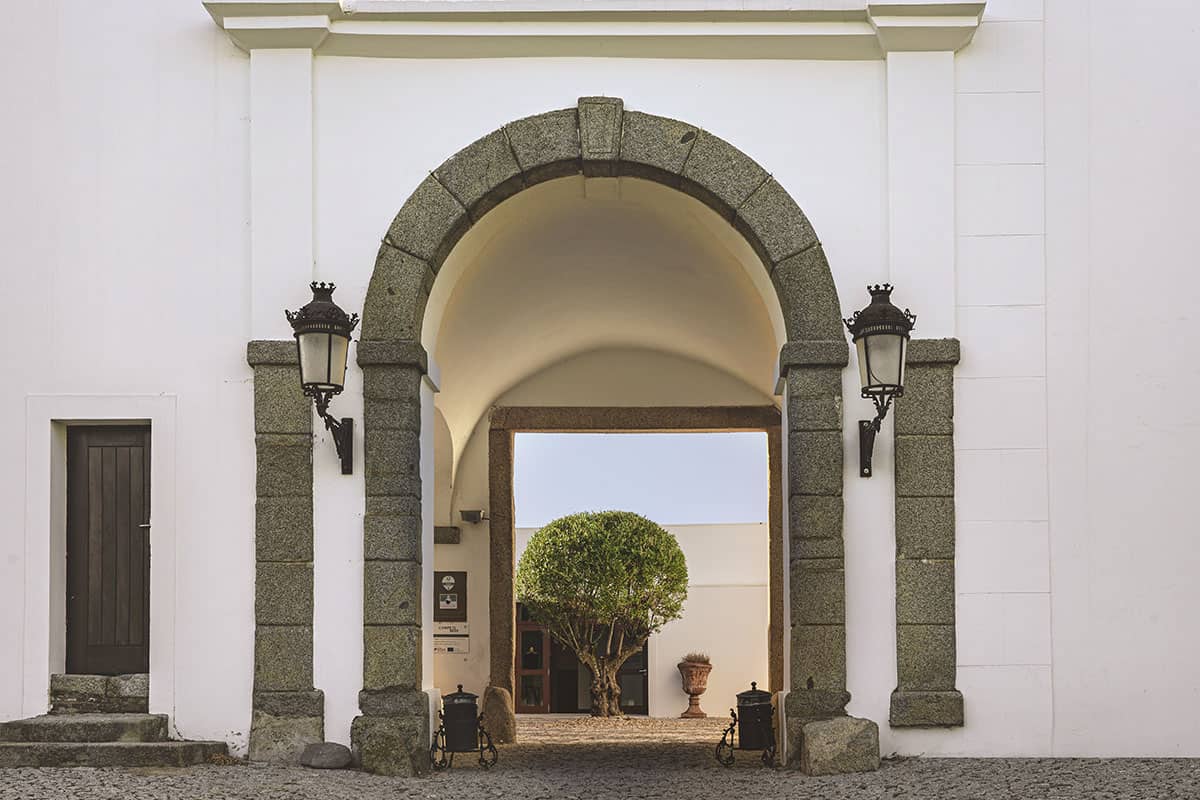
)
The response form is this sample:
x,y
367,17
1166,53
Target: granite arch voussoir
x,y
546,146
396,297
482,174
655,148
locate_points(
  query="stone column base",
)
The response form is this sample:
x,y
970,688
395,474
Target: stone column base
x,y
837,746
284,723
499,716
918,709
392,737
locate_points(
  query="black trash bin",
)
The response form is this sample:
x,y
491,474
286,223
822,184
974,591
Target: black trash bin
x,y
754,724
461,731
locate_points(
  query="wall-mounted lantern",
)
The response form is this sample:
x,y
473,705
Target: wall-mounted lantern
x,y
322,332
881,332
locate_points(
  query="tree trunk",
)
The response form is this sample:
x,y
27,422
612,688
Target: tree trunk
x,y
606,691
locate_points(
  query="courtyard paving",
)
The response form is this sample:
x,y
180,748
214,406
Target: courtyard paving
x,y
565,758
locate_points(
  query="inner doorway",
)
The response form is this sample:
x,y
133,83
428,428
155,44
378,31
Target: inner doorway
x,y
108,550
709,486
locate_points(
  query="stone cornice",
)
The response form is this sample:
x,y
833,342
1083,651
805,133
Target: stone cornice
x,y
907,26
734,29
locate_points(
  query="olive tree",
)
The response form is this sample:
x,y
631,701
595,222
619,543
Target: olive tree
x,y
602,582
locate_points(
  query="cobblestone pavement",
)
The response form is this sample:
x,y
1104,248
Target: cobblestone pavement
x,y
565,758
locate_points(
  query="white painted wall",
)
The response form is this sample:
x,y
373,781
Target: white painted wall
x,y
124,211
1123,430
126,217
1002,564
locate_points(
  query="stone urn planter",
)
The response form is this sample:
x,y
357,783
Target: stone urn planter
x,y
695,681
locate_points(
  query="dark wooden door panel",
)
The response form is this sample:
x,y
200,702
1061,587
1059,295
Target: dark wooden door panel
x,y
532,667
108,549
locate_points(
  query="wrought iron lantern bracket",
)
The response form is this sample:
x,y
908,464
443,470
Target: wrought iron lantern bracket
x,y
867,428
342,430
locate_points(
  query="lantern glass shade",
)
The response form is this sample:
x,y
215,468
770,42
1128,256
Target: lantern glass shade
x,y
881,332
323,360
881,362
322,342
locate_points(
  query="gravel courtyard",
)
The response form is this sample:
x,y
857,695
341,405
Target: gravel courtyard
x,y
566,757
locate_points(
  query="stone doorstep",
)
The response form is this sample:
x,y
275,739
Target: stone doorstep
x,y
114,694
135,685
108,754
86,728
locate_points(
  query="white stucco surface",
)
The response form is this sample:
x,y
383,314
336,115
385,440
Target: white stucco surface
x,y
130,271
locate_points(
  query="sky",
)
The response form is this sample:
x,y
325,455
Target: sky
x,y
671,478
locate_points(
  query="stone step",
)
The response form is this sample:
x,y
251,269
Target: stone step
x,y
99,694
84,728
108,754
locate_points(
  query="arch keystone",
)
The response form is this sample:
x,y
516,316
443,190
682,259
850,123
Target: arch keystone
x,y
600,135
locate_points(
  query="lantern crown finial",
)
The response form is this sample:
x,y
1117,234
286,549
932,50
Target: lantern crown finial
x,y
321,313
880,315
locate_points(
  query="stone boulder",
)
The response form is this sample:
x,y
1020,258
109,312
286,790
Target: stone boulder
x,y
499,716
326,755
839,745
394,746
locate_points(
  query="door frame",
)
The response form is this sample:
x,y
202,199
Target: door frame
x,y
42,644
507,421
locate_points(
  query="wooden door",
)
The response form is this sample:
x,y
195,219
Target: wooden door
x,y
533,666
108,550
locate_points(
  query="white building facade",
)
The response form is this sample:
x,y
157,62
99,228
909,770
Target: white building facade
x,y
587,216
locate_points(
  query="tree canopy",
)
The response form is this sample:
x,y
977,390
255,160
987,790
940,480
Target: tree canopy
x,y
602,582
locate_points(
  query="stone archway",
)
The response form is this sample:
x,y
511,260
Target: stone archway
x,y
598,138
